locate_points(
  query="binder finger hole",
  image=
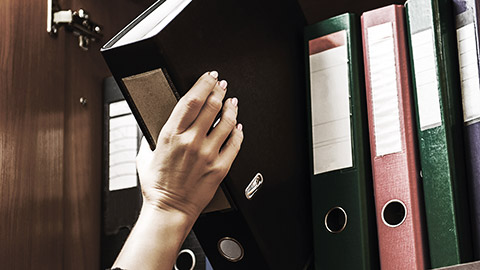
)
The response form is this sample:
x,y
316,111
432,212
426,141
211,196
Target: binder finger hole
x,y
230,249
185,260
394,213
336,220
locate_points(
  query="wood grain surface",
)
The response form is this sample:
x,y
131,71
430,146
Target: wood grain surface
x,y
50,145
31,138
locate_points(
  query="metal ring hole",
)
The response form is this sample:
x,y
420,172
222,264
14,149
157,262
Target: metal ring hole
x,y
394,213
230,249
185,260
336,220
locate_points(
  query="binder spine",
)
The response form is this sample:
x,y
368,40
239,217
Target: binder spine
x,y
466,21
393,145
213,228
341,191
473,173
440,135
126,61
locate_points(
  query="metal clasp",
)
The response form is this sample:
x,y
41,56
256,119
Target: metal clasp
x,y
254,186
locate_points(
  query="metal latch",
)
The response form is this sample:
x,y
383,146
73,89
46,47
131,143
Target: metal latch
x,y
77,22
254,186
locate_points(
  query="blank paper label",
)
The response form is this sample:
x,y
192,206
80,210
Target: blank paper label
x,y
123,140
383,78
425,69
468,61
154,98
331,131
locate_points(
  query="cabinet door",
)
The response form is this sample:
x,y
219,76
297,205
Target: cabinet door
x,y
32,88
50,145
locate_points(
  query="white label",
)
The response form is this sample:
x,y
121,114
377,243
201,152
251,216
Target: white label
x,y
122,152
425,69
468,61
332,146
383,77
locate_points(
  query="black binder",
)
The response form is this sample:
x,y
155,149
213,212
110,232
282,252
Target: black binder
x,y
257,46
191,256
120,208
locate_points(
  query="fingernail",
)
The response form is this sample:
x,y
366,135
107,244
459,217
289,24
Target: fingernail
x,y
235,101
214,74
223,84
240,127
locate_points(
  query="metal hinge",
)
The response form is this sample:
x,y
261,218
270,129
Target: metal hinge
x,y
77,22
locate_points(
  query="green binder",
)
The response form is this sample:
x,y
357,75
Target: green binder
x,y
437,93
344,226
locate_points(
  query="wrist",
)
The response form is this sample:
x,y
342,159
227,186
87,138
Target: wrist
x,y
170,204
180,221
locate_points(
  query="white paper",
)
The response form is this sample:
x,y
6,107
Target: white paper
x,y
122,152
383,77
425,69
468,62
332,146
118,108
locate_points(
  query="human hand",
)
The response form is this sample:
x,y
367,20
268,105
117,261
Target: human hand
x,y
189,162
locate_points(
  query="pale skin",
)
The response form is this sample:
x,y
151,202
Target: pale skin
x,y
181,175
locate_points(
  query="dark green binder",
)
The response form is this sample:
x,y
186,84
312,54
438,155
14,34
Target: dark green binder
x,y
439,126
344,226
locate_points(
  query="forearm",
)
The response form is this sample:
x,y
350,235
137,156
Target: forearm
x,y
155,240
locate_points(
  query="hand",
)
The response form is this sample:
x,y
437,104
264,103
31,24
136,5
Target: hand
x,y
189,162
181,176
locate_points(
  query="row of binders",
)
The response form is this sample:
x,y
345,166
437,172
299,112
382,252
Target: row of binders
x,y
384,103
405,115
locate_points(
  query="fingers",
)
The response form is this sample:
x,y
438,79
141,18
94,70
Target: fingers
x,y
230,150
227,123
210,109
188,107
